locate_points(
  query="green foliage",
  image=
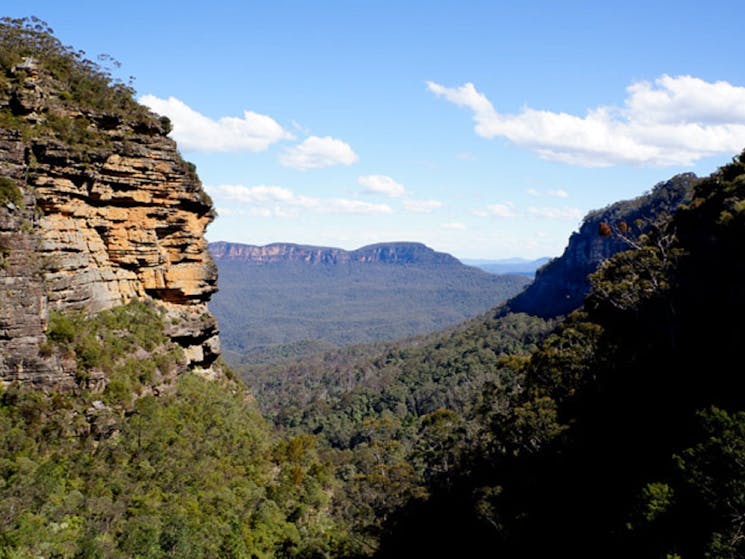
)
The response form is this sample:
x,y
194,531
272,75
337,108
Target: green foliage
x,y
86,83
75,131
449,370
584,441
396,419
4,256
658,498
713,473
69,98
126,343
10,192
438,443
191,474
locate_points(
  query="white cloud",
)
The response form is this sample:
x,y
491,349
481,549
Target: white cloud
x,y
422,206
341,205
497,210
262,200
315,152
507,210
195,132
557,193
277,201
454,225
300,128
553,193
674,121
556,213
381,184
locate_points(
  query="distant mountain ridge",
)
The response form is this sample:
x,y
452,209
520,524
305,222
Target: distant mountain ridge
x,y
382,253
508,265
286,299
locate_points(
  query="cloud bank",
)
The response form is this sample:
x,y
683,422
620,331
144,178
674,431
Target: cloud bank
x,y
507,210
674,121
194,131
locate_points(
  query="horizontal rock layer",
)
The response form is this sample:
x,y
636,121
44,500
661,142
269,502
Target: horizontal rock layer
x,y
98,224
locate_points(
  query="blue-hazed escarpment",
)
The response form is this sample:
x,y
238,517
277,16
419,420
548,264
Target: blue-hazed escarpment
x,y
95,210
380,253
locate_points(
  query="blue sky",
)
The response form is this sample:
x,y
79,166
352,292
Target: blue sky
x,y
483,129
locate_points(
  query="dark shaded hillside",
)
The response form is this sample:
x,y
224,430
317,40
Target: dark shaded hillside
x,y
627,438
283,300
560,286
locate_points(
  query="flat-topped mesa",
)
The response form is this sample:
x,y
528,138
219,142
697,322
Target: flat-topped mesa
x,y
96,209
380,253
277,252
402,253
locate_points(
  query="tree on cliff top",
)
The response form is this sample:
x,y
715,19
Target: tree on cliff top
x,y
28,45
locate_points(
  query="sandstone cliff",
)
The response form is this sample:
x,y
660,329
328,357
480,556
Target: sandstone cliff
x,y
96,208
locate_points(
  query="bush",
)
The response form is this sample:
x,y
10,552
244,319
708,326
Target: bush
x,y
10,192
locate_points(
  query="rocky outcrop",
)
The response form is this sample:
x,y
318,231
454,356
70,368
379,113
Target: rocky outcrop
x,y
381,253
107,212
562,284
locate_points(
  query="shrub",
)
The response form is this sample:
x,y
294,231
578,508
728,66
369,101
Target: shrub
x,y
10,192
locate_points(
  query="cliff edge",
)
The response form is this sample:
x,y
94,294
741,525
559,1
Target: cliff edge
x,y
97,208
561,285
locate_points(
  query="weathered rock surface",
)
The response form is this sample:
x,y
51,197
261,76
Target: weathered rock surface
x,y
115,215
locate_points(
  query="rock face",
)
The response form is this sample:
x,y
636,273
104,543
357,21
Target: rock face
x,y
561,285
94,214
381,253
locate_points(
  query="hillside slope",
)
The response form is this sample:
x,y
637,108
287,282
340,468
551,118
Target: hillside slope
x,y
627,436
283,298
560,285
501,429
